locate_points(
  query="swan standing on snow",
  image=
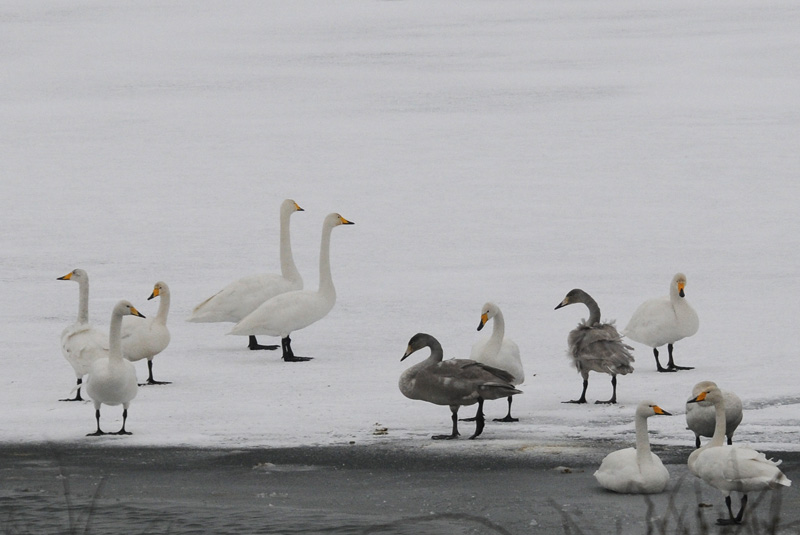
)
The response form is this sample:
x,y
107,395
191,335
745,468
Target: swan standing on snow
x,y
112,379
144,339
81,343
732,468
454,382
635,470
664,320
596,346
701,416
241,297
288,312
498,351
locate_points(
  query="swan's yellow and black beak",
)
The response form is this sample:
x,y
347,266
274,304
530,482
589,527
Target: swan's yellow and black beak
x,y
345,221
297,208
66,277
563,303
660,411
136,312
681,286
484,319
700,397
156,293
407,353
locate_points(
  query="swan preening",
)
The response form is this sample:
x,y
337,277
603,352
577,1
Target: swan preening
x,y
498,351
701,416
291,311
732,468
454,382
596,346
146,338
81,343
241,297
112,379
664,320
635,470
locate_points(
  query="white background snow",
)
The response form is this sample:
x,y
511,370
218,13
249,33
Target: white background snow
x,y
499,150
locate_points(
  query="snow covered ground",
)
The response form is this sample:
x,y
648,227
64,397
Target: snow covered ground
x,y
505,151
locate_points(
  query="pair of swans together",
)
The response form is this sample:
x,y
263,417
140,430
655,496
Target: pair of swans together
x,y
272,304
725,467
112,378
598,347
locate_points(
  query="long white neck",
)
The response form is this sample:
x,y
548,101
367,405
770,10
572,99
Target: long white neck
x,y
325,278
498,332
288,268
718,439
163,308
115,337
83,301
642,442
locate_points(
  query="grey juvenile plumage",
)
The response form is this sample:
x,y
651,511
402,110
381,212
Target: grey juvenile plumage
x,y
596,346
454,382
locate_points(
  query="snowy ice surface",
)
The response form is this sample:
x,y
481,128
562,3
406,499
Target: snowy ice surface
x,y
486,150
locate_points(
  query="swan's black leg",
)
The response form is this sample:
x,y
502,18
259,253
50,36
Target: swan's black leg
x,y
98,432
582,399
508,417
253,345
671,364
150,380
730,440
288,354
78,395
479,420
613,399
124,419
454,434
697,441
733,519
659,367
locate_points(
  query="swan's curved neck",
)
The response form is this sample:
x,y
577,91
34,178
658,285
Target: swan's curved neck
x,y
642,441
115,337
437,354
498,332
288,268
720,426
594,309
83,301
163,308
325,278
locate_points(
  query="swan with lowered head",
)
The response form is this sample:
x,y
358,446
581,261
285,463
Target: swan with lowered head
x,y
112,379
291,311
81,343
596,346
732,468
635,470
701,417
241,297
664,320
498,351
144,339
454,382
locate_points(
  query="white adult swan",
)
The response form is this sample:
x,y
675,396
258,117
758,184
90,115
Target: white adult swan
x,y
596,346
454,382
635,470
241,297
701,416
144,339
664,320
81,343
732,468
112,379
288,312
498,351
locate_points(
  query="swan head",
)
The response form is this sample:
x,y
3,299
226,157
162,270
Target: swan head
x,y
125,308
647,409
712,394
488,311
574,296
679,283
417,342
334,220
159,288
290,207
76,275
